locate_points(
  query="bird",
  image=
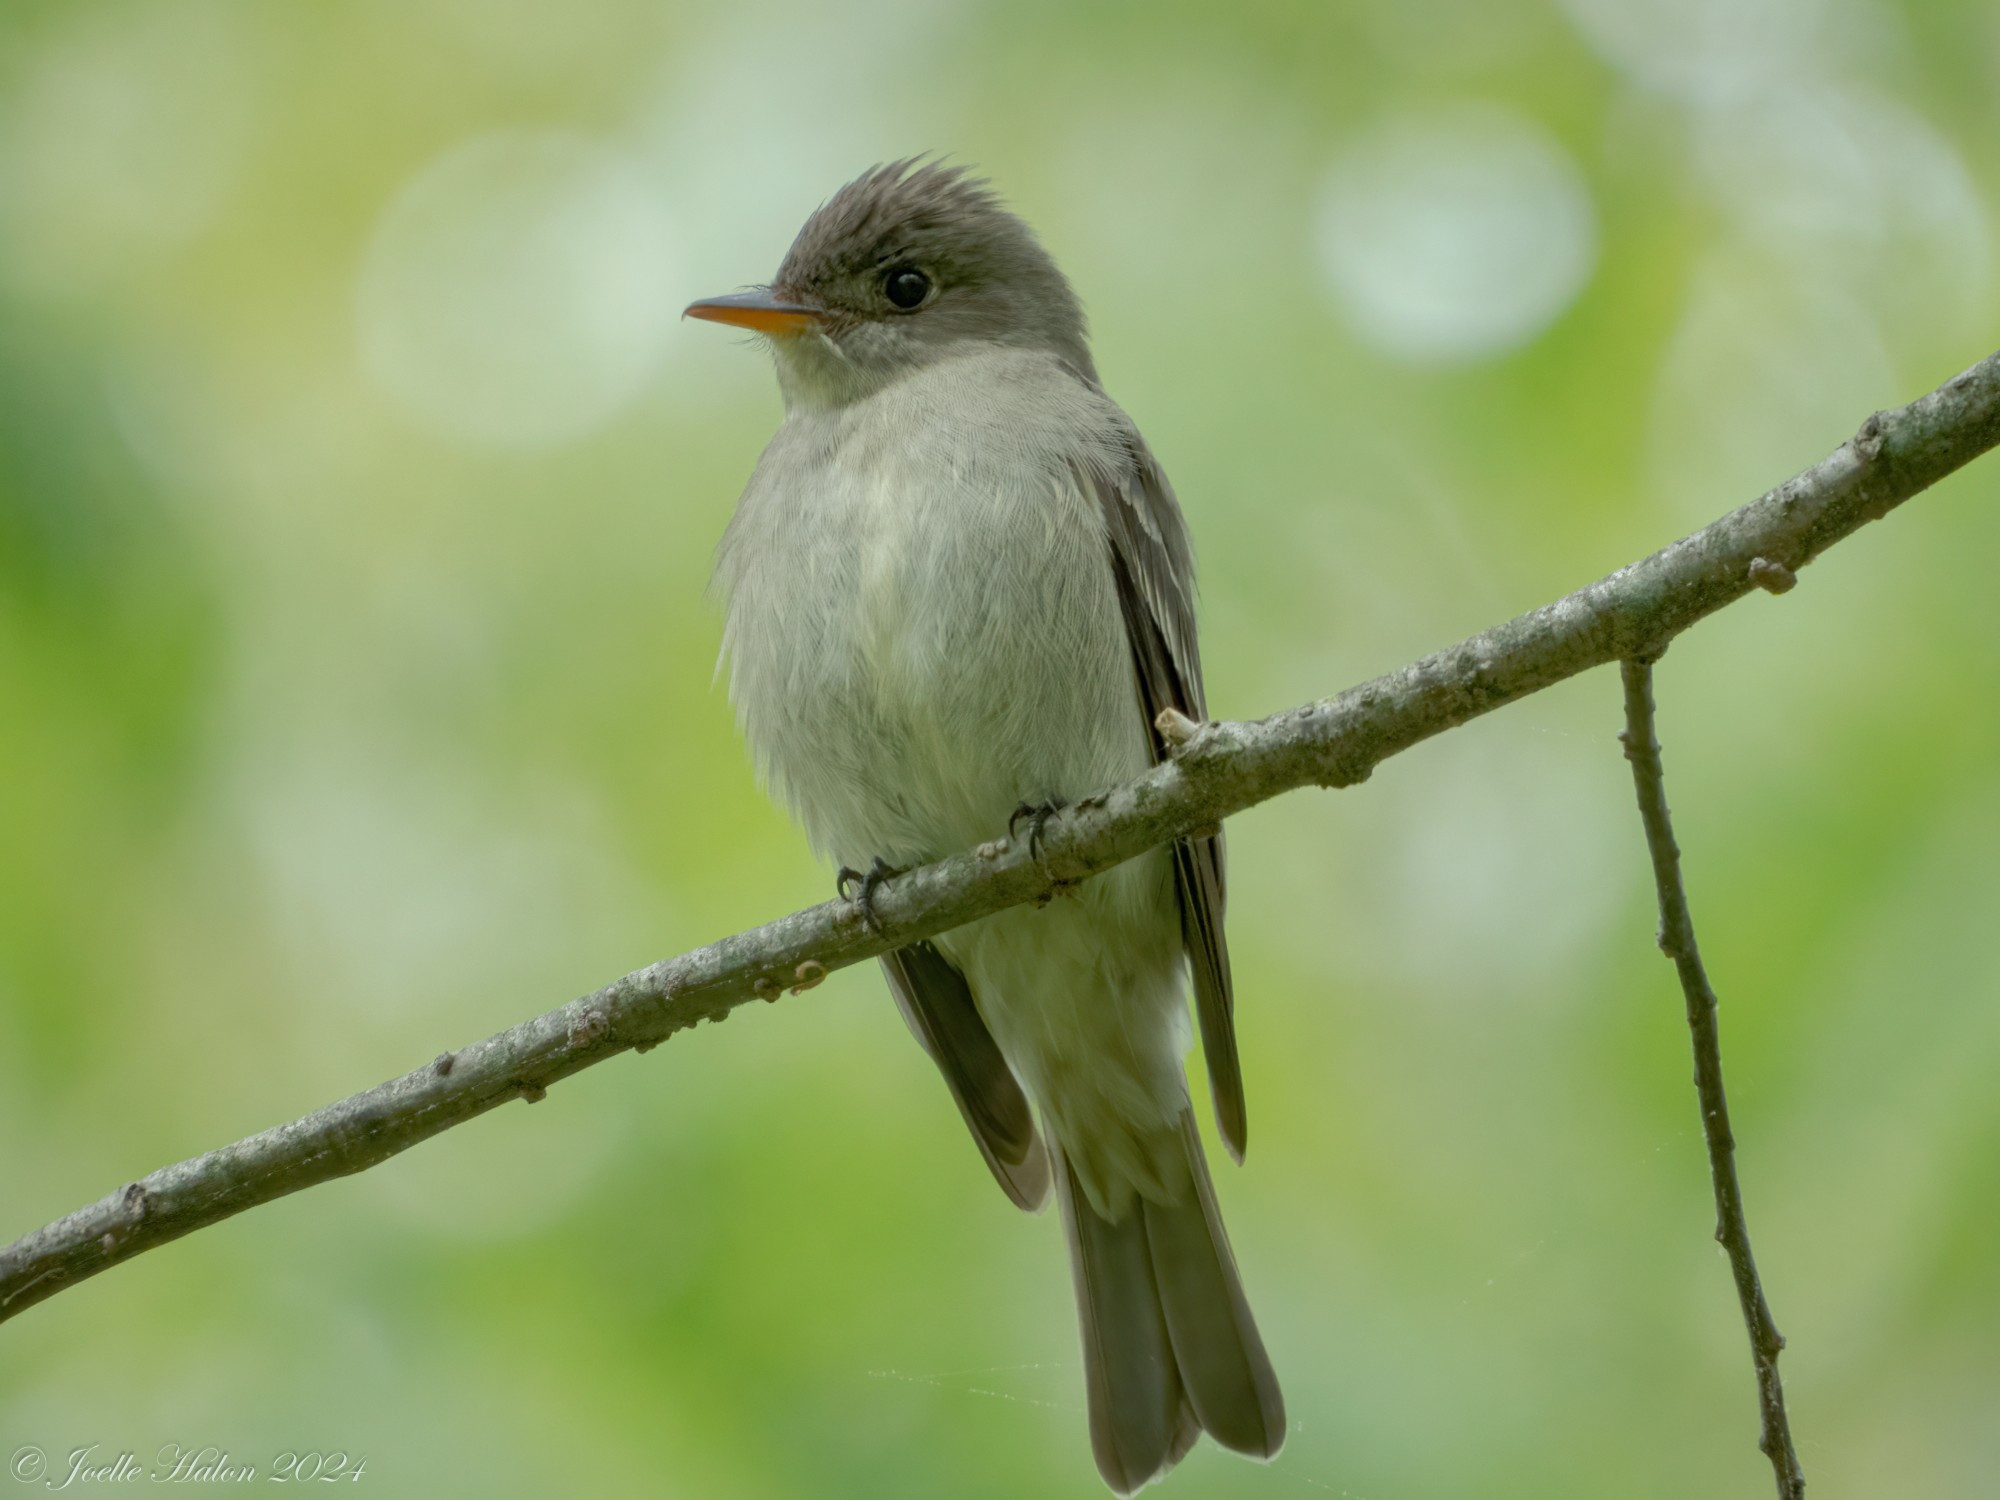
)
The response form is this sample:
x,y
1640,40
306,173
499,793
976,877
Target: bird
x,y
958,590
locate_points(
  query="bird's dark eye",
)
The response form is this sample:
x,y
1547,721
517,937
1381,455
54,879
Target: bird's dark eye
x,y
906,287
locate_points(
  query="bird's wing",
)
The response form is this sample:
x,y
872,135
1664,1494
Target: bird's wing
x,y
937,1004
1154,566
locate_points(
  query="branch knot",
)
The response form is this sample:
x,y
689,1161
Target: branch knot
x,y
1772,576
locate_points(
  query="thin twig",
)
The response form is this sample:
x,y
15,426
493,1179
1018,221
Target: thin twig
x,y
1677,941
1221,769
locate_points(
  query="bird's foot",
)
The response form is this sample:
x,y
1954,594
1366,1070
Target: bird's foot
x,y
1037,815
864,896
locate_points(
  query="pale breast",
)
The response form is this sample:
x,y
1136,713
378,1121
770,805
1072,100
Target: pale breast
x,y
923,629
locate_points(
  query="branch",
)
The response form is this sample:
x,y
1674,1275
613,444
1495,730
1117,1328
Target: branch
x,y
1220,769
1732,1230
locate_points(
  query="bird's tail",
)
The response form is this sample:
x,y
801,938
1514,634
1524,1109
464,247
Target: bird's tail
x,y
1169,1347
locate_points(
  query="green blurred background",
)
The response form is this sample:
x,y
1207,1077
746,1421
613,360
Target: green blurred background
x,y
357,494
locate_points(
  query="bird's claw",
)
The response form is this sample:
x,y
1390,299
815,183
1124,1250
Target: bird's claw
x,y
864,897
1038,815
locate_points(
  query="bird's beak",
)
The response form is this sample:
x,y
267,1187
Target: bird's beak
x,y
761,311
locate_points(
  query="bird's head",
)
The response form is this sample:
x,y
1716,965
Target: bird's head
x,y
908,264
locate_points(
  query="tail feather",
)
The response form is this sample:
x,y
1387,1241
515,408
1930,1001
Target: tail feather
x,y
1169,1345
1222,1362
1140,1420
